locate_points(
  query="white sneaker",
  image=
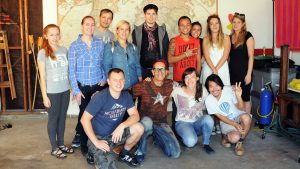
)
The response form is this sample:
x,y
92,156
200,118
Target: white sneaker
x,y
213,131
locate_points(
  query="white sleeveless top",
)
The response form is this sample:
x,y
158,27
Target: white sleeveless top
x,y
215,55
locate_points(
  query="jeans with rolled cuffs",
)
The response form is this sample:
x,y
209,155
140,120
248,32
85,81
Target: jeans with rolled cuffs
x,y
163,137
189,131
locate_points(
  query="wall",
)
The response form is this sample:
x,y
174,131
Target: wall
x,y
259,21
258,17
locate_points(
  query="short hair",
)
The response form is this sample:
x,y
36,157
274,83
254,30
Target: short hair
x,y
150,6
161,61
86,17
115,70
103,11
214,78
184,17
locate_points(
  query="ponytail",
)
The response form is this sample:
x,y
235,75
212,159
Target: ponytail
x,y
46,46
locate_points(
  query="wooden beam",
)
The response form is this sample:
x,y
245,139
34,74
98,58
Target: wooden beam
x,y
284,69
22,55
27,55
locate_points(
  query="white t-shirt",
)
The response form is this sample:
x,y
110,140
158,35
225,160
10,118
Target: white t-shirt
x,y
225,106
188,109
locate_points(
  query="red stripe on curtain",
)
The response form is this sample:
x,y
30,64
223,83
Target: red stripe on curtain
x,y
287,23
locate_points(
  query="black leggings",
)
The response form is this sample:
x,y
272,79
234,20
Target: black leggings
x,y
57,117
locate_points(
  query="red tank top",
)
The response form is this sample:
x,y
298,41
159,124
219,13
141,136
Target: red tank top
x,y
180,47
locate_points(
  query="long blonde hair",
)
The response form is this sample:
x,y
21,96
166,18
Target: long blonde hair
x,y
220,38
241,36
119,24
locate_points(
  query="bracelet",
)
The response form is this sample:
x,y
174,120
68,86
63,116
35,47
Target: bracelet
x,y
185,54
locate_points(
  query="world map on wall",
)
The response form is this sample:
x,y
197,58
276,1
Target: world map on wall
x,y
70,13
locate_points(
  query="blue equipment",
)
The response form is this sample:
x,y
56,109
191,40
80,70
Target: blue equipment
x,y
266,107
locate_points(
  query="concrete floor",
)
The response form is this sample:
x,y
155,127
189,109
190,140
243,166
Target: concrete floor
x,y
26,146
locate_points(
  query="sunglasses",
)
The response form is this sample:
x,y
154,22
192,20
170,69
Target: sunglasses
x,y
240,14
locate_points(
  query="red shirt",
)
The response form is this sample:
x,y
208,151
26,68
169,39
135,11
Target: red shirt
x,y
154,99
180,48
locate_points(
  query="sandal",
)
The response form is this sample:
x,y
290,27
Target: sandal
x,y
58,154
66,149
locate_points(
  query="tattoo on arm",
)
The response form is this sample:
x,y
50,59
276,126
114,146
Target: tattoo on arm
x,y
171,51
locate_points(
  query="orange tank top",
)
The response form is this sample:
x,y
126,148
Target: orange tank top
x,y
180,48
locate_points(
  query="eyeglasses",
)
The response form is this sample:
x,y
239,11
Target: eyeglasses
x,y
159,69
240,14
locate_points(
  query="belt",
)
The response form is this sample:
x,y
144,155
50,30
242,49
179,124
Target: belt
x,y
83,85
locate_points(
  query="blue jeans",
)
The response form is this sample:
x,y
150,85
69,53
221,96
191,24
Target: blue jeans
x,y
163,136
189,132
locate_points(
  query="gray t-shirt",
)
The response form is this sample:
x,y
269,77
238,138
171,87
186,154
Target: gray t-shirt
x,y
106,36
56,71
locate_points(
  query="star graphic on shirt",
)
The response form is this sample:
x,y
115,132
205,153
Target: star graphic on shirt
x,y
159,98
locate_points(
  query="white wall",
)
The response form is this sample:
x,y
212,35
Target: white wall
x,y
258,17
259,21
49,12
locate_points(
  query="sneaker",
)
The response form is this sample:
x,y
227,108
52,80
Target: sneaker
x,y
76,141
225,143
218,130
139,157
213,131
90,159
239,149
129,160
208,149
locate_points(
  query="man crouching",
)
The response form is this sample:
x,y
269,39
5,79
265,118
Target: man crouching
x,y
102,122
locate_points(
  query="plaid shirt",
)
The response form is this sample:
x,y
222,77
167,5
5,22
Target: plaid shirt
x,y
86,65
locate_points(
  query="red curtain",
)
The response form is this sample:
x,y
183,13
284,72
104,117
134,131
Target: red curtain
x,y
287,23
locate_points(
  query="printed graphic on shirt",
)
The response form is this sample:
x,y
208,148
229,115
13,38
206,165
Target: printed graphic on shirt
x,y
105,39
224,107
59,65
189,108
116,111
188,61
159,98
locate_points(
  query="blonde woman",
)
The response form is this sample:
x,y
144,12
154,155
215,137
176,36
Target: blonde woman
x,y
123,55
216,47
241,57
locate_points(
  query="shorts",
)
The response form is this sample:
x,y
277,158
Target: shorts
x,y
106,160
226,128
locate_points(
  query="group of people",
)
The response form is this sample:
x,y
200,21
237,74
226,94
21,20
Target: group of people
x,y
107,74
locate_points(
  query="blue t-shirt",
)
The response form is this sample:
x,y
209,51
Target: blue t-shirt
x,y
108,112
